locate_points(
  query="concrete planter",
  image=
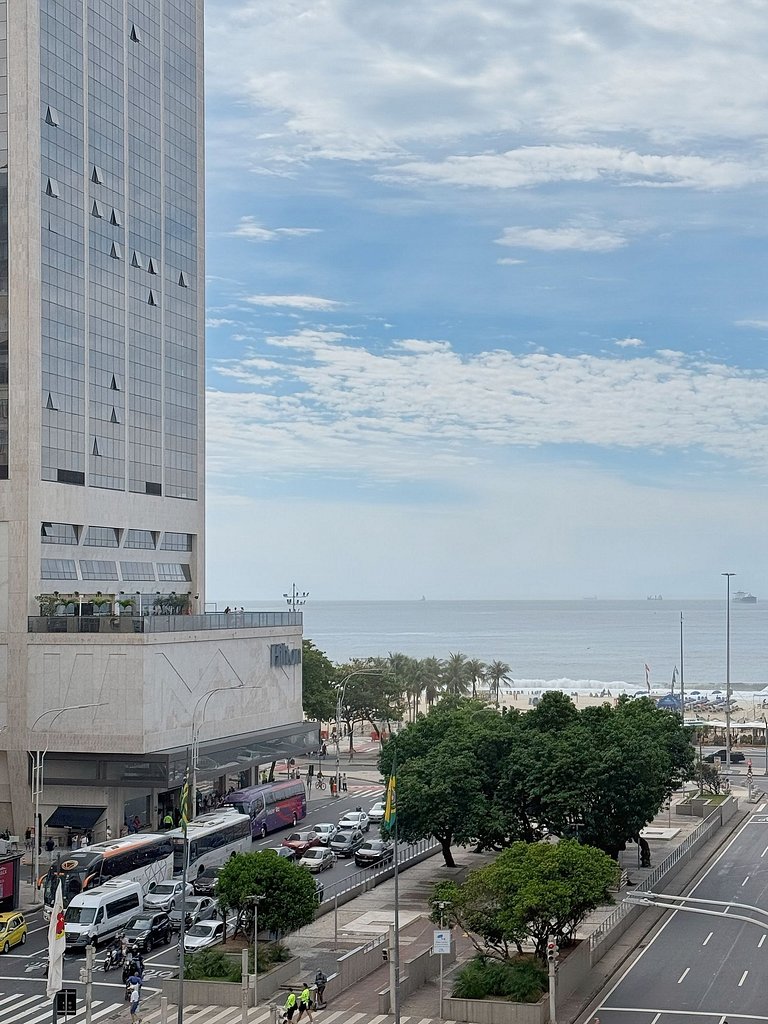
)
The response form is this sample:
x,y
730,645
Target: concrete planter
x,y
491,1011
229,993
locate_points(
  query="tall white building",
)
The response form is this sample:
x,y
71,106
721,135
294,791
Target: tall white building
x,y
102,428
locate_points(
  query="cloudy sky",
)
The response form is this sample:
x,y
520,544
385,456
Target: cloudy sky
x,y
487,304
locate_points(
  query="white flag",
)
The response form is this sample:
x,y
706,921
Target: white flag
x,y
56,944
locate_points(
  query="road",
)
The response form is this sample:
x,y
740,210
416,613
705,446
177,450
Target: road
x,y
23,970
700,966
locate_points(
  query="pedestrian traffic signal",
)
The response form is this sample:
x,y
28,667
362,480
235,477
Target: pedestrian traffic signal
x,y
83,975
552,951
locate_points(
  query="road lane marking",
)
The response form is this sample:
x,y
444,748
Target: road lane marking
x,y
762,940
761,807
655,1018
682,976
685,1013
745,881
764,852
743,978
707,938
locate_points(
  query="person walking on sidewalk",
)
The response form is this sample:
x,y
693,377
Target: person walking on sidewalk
x,y
134,1004
290,1006
321,981
305,1003
344,782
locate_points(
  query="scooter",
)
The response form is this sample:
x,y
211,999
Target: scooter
x,y
114,957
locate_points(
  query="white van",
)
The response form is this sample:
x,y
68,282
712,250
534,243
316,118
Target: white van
x,y
102,912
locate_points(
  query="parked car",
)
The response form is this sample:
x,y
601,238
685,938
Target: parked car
x,y
13,930
283,851
355,819
166,895
325,832
196,909
736,756
300,842
204,934
206,883
376,812
148,930
318,858
373,852
345,843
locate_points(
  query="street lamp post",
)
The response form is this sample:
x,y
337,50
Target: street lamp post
x,y
196,727
37,779
341,690
728,669
765,733
255,901
442,905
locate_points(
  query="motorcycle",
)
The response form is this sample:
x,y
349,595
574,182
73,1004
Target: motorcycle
x,y
114,957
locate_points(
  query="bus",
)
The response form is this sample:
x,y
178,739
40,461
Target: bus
x,y
213,838
271,806
145,857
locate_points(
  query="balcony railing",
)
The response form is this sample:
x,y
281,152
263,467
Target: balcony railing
x,y
160,623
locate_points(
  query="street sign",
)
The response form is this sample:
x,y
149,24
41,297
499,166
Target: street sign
x,y
441,940
66,1001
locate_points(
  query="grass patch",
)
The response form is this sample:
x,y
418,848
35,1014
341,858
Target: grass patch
x,y
523,980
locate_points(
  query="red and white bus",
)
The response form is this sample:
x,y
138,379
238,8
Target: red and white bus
x,y
271,806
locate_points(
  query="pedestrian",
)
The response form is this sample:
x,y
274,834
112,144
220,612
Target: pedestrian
x,y
332,786
109,831
167,820
305,1003
344,782
320,982
135,999
28,839
290,1006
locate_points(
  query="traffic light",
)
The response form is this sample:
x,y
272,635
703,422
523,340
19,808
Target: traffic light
x,y
83,975
552,951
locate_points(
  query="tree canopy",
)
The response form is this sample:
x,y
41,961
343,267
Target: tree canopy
x,y
530,891
317,678
287,890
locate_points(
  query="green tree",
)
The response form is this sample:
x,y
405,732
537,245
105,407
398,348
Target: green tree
x,y
475,673
455,681
287,890
431,672
530,891
318,675
496,674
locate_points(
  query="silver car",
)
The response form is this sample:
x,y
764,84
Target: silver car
x,y
166,895
196,909
318,858
325,831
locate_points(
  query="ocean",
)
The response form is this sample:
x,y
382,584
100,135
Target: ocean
x,y
570,645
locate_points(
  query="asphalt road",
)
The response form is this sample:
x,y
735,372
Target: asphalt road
x,y
704,967
23,970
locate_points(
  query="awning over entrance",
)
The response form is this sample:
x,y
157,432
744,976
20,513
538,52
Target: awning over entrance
x,y
75,817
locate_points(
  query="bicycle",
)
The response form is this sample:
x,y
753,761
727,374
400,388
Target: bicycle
x,y
320,783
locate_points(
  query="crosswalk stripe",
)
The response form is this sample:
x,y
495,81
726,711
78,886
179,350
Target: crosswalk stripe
x,y
378,1019
355,1017
328,1018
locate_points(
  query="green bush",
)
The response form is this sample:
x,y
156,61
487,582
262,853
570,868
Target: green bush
x,y
212,965
521,981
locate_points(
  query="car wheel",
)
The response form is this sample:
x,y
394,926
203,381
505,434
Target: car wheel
x,y
6,946
168,936
148,945
172,906
23,938
295,821
264,829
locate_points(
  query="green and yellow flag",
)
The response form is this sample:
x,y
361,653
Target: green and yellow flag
x,y
390,808
186,810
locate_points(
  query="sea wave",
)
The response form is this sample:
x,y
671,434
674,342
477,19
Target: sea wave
x,y
616,687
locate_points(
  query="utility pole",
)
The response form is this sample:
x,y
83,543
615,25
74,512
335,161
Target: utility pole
x,y
86,977
553,954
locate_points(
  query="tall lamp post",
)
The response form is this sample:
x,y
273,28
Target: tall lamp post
x,y
296,598
255,900
728,669
341,690
37,778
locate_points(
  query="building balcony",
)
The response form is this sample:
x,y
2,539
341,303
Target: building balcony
x,y
127,623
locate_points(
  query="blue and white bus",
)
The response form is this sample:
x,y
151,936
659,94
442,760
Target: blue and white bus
x,y
213,838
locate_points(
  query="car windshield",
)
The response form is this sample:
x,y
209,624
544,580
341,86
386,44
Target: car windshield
x,y
79,915
164,889
294,837
209,873
201,930
342,837
314,854
141,924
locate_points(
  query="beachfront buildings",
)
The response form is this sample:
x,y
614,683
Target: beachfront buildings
x,y
102,479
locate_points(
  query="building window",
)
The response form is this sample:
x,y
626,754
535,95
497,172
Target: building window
x,y
58,569
52,188
135,35
97,209
152,488
102,537
152,300
183,282
115,219
116,252
140,539
58,533
52,117
50,404
92,570
70,476
152,266
173,572
176,542
137,571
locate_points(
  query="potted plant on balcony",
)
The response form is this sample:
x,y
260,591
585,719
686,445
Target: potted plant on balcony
x,y
102,604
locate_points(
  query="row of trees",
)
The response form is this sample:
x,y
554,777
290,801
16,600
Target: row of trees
x,y
469,774
383,690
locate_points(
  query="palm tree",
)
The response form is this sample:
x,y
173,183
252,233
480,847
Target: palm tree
x,y
455,676
476,673
497,672
431,676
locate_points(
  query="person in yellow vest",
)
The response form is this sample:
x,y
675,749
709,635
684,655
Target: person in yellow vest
x,y
290,1006
305,1003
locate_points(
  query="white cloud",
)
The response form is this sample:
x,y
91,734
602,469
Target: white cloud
x,y
309,302
758,325
629,343
219,322
417,345
508,261
572,237
248,228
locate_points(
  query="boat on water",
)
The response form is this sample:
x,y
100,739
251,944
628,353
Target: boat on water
x,y
654,597
742,597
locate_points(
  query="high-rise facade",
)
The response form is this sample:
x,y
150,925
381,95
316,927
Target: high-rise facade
x,y
102,411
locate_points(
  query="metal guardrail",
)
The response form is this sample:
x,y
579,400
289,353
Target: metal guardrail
x,y
371,877
127,623
700,834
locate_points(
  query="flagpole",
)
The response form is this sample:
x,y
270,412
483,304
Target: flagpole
x,y
390,820
397,930
185,816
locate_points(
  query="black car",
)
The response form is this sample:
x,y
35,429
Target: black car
x,y
373,852
345,843
148,930
205,884
736,756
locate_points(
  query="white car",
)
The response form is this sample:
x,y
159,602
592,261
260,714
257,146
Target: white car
x,y
353,820
166,895
376,812
325,831
318,858
204,934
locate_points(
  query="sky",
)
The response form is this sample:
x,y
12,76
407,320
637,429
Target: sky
x,y
487,306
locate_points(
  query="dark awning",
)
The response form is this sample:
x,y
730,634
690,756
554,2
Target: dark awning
x,y
75,817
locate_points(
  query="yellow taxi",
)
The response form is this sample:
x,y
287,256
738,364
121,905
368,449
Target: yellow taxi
x,y
13,930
